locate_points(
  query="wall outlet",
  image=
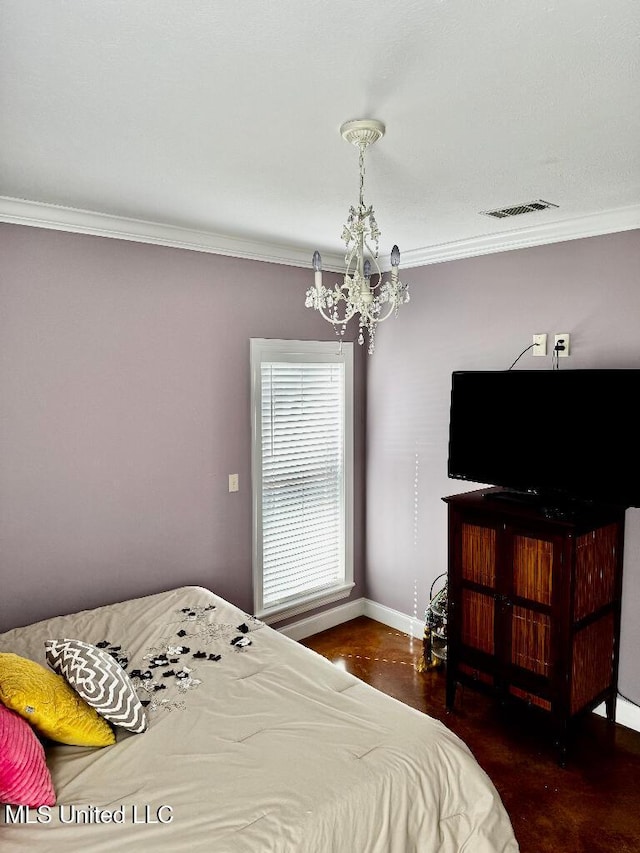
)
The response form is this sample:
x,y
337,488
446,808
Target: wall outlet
x,y
233,482
561,345
540,345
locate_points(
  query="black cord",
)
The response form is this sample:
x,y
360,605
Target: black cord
x,y
555,354
443,575
626,699
555,365
531,346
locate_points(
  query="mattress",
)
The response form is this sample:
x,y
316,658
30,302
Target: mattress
x,y
254,743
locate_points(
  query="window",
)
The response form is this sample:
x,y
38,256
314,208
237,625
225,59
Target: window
x,y
302,432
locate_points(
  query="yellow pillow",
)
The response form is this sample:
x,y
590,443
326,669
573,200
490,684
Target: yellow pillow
x,y
50,704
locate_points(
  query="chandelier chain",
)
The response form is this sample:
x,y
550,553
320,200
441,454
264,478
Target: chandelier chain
x,y
362,148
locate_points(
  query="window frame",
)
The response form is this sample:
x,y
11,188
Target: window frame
x,y
272,350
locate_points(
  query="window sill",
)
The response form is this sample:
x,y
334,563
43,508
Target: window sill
x,y
301,605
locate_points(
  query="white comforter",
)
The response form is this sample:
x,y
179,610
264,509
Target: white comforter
x,y
254,744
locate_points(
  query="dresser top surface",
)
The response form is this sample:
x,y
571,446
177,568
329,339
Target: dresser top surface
x,y
522,506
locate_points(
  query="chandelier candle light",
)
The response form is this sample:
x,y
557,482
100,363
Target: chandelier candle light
x,y
362,292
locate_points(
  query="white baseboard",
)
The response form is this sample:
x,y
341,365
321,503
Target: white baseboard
x,y
627,714
410,625
303,628
344,612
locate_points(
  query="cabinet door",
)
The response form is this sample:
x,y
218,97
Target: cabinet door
x,y
532,583
477,568
596,608
532,568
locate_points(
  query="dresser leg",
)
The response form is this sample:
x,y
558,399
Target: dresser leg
x,y
451,692
562,741
610,705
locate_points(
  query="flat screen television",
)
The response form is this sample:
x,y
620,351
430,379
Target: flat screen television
x,y
559,436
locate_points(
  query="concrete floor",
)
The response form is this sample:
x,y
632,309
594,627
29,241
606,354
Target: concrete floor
x,y
591,806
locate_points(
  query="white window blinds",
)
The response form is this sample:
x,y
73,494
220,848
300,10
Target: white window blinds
x,y
301,448
302,473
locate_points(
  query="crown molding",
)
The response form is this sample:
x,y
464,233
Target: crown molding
x,y
589,225
57,217
39,215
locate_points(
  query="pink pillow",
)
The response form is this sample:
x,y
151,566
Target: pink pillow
x,y
24,776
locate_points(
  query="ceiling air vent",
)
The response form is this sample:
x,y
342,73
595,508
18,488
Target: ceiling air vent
x,y
517,209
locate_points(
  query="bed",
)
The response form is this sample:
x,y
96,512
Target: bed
x,y
252,743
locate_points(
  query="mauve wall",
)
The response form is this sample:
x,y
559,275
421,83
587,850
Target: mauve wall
x,y
480,314
124,406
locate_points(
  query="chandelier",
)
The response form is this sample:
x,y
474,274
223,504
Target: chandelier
x,y
363,291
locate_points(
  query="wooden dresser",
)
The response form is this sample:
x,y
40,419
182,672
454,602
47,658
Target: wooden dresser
x,y
534,604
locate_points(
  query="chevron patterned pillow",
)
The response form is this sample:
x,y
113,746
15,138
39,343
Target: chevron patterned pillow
x,y
99,680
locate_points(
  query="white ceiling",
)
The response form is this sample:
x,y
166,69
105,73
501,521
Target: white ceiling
x,y
216,124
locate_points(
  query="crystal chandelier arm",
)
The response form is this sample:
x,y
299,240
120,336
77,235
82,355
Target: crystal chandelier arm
x,y
338,321
321,298
391,309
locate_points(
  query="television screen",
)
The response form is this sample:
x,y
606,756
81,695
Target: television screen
x,y
560,434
